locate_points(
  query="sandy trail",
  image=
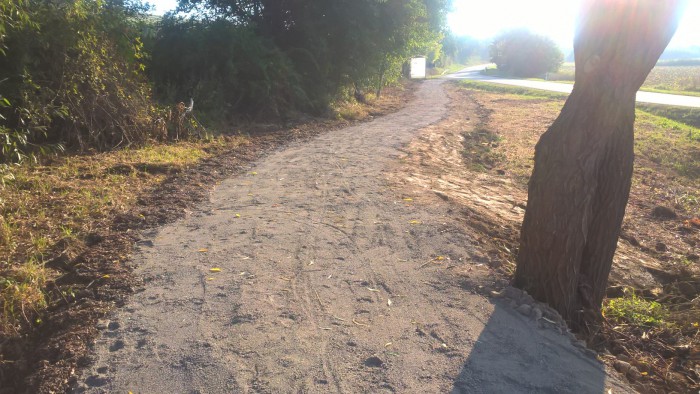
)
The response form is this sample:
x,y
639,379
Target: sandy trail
x,y
330,281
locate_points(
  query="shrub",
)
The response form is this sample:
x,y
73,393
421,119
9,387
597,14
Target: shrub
x,y
73,76
225,68
524,54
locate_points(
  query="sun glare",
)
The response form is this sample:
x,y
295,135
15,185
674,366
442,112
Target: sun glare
x,y
555,19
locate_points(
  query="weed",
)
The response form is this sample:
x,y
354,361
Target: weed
x,y
5,233
21,293
634,310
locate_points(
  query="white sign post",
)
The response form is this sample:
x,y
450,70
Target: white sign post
x,y
417,67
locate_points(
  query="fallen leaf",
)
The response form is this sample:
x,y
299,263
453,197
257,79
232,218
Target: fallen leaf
x,y
253,173
210,278
238,215
440,258
388,344
388,302
203,250
215,269
414,222
371,289
408,199
105,276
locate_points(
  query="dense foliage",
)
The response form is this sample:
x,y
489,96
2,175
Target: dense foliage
x,y
81,73
269,57
522,53
71,74
464,49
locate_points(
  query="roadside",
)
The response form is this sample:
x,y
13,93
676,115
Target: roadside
x,y
474,73
87,211
650,330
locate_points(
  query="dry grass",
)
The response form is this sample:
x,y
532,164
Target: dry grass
x,y
657,259
51,209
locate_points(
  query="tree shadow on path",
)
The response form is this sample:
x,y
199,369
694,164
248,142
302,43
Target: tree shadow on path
x,y
514,355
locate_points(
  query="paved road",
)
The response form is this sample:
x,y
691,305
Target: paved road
x,y
474,73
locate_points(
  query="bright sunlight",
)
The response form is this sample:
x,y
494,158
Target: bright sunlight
x,y
555,19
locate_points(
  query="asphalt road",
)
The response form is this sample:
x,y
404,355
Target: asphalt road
x,y
473,73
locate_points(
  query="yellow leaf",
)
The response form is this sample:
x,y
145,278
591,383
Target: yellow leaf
x,y
644,373
210,278
408,199
105,276
203,250
440,258
414,222
215,269
253,173
238,215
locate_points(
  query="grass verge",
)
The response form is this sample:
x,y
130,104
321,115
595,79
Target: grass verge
x,y
651,328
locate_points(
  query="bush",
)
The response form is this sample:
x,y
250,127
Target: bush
x,y
524,54
225,68
73,76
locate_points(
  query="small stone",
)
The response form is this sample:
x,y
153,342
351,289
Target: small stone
x,y
442,195
536,313
693,257
622,366
623,357
665,213
96,381
512,293
615,291
501,172
113,325
661,247
633,374
524,309
117,345
374,362
687,289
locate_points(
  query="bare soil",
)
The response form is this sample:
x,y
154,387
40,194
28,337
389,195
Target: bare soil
x,y
336,265
45,357
479,159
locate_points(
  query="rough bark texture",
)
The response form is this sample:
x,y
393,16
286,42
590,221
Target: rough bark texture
x,y
583,163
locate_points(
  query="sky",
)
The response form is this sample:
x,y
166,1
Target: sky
x,y
162,6
555,19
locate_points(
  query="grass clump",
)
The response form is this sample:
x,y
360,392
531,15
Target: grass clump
x,y
21,293
634,310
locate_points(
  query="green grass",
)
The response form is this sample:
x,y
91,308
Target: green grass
x,y
669,143
634,310
517,90
64,199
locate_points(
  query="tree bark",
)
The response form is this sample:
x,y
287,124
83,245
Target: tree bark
x,y
583,163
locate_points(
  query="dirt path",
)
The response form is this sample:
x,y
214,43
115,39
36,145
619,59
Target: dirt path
x,y
329,281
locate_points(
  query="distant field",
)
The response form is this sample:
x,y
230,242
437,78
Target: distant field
x,y
683,79
663,79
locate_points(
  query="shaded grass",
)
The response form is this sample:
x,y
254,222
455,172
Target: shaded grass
x,y
50,209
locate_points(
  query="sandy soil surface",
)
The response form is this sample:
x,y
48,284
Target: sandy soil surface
x,y
327,269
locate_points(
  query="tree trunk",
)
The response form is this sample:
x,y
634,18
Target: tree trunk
x,y
583,163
